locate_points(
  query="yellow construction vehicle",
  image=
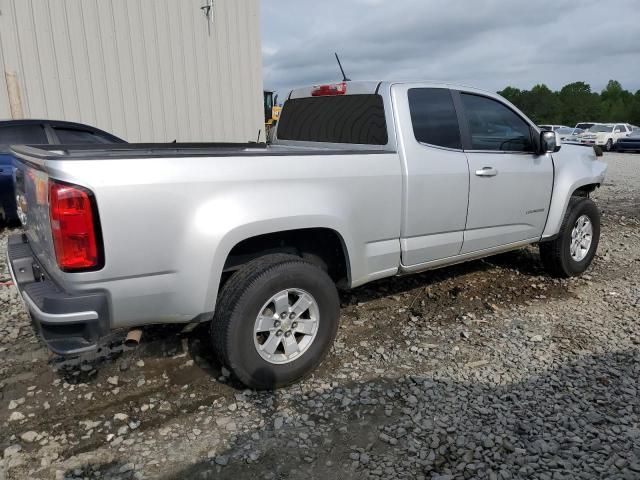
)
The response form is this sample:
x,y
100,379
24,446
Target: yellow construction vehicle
x,y
271,112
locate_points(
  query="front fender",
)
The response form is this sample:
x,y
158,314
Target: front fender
x,y
576,166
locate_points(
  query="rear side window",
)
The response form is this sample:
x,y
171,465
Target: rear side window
x,y
494,126
356,119
21,135
73,136
434,118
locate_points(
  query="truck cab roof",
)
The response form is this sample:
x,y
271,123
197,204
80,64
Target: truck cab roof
x,y
368,87
355,113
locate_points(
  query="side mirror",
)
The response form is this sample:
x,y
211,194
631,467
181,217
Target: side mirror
x,y
550,142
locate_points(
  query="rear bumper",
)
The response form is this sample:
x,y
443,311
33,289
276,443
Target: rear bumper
x,y
68,323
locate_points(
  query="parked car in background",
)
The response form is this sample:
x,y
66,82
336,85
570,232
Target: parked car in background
x,y
568,134
605,135
255,239
38,132
586,125
630,143
553,128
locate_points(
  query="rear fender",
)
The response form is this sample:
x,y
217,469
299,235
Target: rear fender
x,y
273,225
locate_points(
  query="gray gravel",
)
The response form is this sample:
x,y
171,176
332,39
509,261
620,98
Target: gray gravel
x,y
486,370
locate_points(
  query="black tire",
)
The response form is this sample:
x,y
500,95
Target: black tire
x,y
609,145
556,254
239,303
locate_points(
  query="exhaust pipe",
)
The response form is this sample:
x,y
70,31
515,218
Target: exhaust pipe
x,y
133,338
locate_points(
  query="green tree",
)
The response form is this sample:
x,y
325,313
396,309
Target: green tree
x,y
545,107
634,110
613,91
576,102
617,103
514,95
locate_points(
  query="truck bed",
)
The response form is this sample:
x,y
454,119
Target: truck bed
x,y
169,215
173,150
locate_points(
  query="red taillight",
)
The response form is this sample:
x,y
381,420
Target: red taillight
x,y
330,90
73,227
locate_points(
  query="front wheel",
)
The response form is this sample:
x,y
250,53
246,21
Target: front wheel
x,y
609,145
276,319
572,252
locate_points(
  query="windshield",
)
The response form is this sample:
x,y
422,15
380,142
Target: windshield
x,y
601,128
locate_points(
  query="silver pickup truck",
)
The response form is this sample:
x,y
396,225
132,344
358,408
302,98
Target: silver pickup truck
x,y
364,181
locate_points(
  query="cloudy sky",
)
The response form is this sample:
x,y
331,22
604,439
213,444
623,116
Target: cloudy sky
x,y
484,43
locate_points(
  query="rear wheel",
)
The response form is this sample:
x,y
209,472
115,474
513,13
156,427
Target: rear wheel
x,y
572,252
276,319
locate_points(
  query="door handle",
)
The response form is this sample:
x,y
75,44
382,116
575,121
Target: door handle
x,y
487,172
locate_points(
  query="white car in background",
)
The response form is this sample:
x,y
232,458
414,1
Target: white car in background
x,y
552,128
586,125
606,135
569,134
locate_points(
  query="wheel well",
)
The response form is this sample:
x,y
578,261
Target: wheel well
x,y
585,190
321,246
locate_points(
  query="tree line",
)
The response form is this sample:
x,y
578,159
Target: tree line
x,y
575,103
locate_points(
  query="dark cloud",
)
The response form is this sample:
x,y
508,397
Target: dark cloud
x,y
485,43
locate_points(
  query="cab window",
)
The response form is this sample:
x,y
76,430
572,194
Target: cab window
x,y
434,117
74,136
21,135
356,119
495,127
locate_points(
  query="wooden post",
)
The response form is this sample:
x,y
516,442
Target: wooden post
x,y
15,99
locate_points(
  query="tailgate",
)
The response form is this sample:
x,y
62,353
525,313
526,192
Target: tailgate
x,y
32,195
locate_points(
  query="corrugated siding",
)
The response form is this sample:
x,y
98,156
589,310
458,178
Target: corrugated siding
x,y
5,109
145,70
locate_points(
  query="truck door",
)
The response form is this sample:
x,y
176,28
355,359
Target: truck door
x,y
510,185
436,174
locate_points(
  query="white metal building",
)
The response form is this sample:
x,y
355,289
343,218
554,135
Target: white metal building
x,y
144,70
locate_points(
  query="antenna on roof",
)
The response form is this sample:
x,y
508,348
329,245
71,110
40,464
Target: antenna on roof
x,y
344,76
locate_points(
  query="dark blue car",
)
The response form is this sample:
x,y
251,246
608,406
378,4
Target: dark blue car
x,y
38,132
630,143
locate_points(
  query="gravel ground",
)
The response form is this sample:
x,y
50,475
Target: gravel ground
x,y
485,370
